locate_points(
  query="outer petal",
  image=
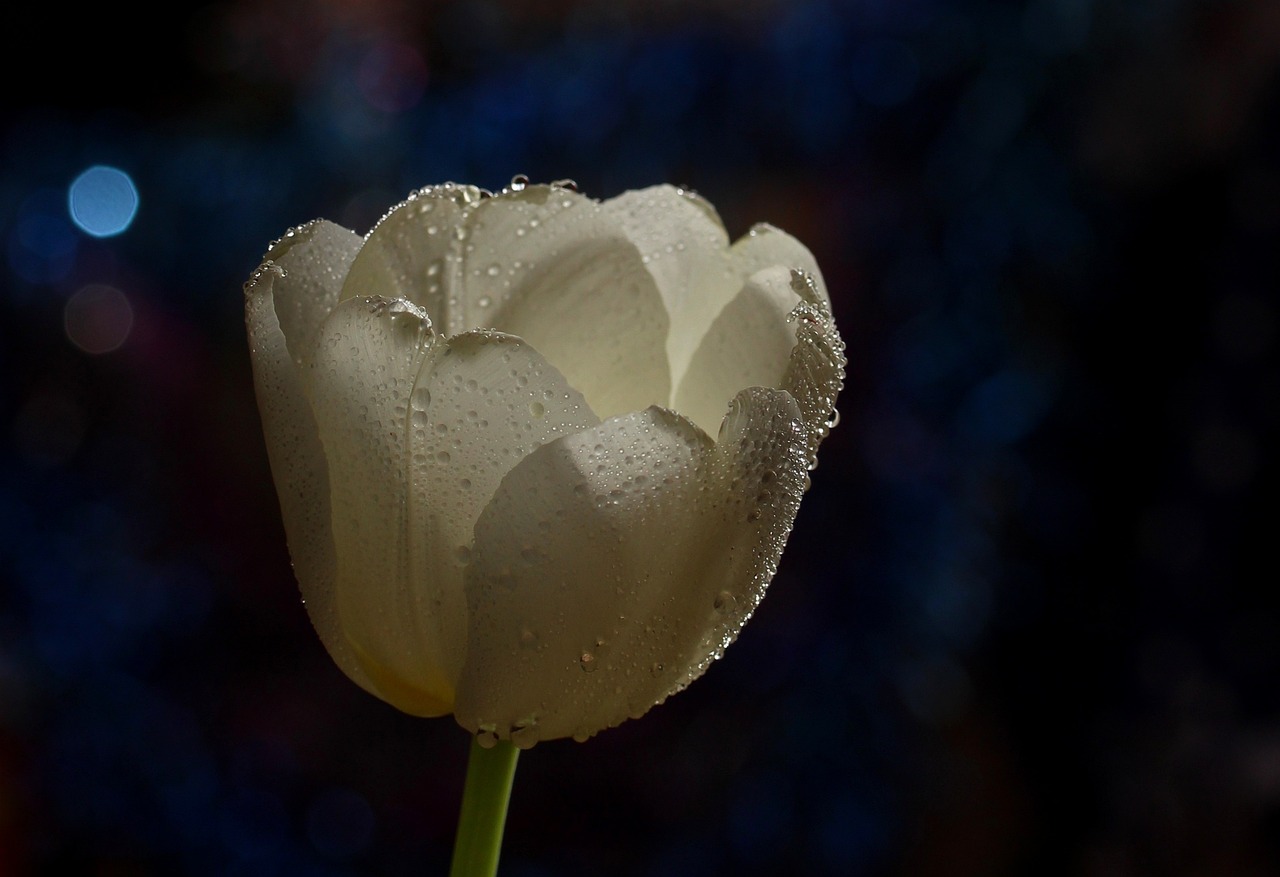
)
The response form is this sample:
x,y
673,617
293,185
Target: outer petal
x,y
612,566
748,345
298,466
815,372
482,402
765,246
508,237
314,258
414,253
550,266
687,251
361,389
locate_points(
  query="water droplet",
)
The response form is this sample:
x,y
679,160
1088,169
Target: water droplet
x,y
462,554
493,270
528,638
657,668
725,603
537,409
419,419
588,662
465,483
487,738
484,301
518,182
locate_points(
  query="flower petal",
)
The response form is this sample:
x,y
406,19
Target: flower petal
x,y
361,388
414,253
765,246
298,467
511,237
748,345
815,372
575,288
481,403
314,258
686,250
614,565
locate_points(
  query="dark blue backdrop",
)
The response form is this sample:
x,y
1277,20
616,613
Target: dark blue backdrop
x,y
1027,622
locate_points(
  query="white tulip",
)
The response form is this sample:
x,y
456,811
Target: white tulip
x,y
538,455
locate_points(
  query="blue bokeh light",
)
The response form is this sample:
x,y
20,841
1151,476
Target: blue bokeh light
x,y
103,201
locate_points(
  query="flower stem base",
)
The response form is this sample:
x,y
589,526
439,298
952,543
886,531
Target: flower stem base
x,y
490,774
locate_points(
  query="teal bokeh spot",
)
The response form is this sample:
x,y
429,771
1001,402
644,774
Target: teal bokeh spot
x,y
103,201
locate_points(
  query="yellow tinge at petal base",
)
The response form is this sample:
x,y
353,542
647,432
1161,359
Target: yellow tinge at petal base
x,y
424,692
469,535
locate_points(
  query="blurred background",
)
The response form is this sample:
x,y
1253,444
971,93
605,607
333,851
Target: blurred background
x,y
1027,621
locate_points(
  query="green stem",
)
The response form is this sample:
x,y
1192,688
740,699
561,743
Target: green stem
x,y
490,773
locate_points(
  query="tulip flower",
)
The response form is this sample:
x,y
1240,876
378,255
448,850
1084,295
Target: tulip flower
x,y
538,455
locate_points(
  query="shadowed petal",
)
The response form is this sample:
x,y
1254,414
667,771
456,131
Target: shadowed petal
x,y
314,258
686,250
748,345
550,266
414,252
361,385
766,246
298,467
614,565
815,372
481,403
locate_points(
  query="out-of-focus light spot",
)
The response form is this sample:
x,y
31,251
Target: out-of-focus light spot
x,y
885,72
98,318
340,823
103,201
42,244
1004,408
392,77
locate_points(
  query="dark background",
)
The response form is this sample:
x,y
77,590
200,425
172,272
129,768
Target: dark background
x,y
1027,621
